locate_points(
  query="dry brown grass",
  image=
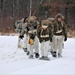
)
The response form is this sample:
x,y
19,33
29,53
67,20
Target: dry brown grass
x,y
71,34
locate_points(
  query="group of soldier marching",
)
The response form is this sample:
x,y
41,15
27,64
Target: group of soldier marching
x,y
50,34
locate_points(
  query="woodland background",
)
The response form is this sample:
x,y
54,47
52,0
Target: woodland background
x,y
11,10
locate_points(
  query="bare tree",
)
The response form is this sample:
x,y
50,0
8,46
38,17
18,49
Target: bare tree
x,y
18,7
38,7
30,8
2,10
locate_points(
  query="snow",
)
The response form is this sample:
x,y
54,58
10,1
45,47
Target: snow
x,y
14,60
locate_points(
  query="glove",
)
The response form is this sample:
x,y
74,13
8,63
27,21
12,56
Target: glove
x,y
31,41
51,40
21,36
14,26
35,27
27,28
65,39
32,36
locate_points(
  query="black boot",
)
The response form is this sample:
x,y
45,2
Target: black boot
x,y
25,49
41,58
18,46
54,54
59,55
28,52
51,52
46,58
31,57
36,55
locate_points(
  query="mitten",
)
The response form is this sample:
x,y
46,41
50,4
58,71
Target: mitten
x,y
51,40
65,39
21,36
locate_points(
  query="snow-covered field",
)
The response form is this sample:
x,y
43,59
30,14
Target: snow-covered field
x,y
15,61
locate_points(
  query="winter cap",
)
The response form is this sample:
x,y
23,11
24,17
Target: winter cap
x,y
31,18
59,16
46,22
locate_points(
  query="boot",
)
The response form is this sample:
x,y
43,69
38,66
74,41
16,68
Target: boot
x,y
51,52
41,58
46,58
31,57
36,55
25,49
54,54
28,52
59,55
18,46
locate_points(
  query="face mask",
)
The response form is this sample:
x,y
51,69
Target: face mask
x,y
44,27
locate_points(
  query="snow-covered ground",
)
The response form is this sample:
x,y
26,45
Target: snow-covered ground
x,y
15,61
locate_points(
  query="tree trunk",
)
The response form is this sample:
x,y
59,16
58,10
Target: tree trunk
x,y
2,11
18,9
30,8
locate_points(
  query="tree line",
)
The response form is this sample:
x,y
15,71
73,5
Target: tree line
x,y
11,10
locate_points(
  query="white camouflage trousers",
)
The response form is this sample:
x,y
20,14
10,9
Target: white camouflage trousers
x,y
57,43
19,39
35,47
25,40
45,48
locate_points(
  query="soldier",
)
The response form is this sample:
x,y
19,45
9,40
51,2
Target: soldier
x,y
45,37
18,29
24,34
31,31
60,35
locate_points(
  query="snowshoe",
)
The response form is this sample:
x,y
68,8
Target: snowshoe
x,y
36,55
31,57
